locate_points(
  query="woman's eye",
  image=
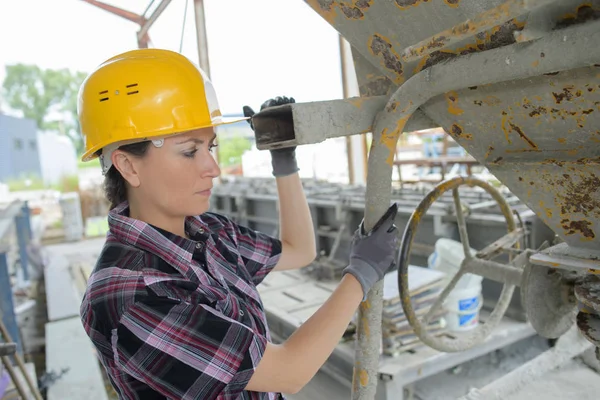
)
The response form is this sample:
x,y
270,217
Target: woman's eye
x,y
212,146
190,154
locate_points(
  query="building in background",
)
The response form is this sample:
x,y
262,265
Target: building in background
x,y
19,153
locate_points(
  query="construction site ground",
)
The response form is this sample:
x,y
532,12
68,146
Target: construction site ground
x,y
65,283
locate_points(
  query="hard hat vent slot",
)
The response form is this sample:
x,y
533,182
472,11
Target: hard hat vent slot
x,y
101,93
132,85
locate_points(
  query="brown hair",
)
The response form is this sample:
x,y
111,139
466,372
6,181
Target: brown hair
x,y
115,188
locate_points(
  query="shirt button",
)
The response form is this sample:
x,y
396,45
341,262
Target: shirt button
x,y
201,230
241,313
199,246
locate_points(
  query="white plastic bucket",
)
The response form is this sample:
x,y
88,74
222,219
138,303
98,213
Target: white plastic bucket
x,y
465,300
463,307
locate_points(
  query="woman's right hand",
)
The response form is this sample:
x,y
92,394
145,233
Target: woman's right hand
x,y
373,252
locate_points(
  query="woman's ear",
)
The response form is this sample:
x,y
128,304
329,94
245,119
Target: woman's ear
x,y
125,164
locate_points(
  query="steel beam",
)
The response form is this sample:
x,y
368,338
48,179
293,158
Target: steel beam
x,y
307,123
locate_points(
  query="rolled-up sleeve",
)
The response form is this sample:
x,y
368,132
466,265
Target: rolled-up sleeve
x,y
186,351
260,252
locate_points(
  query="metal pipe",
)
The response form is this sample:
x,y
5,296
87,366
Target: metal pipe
x,y
494,271
481,22
565,49
145,26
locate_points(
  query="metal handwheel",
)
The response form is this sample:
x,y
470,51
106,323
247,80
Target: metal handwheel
x,y
479,264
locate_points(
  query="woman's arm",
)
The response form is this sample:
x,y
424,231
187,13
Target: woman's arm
x,y
291,365
296,226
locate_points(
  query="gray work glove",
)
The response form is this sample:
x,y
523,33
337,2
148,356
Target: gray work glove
x,y
283,161
374,252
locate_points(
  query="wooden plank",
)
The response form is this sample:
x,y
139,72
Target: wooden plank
x,y
68,346
11,391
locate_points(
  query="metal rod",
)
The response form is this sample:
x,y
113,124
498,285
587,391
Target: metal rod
x,y
462,225
497,272
484,21
147,24
7,308
23,238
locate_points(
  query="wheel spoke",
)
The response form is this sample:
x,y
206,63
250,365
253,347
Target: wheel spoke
x,y
462,225
440,300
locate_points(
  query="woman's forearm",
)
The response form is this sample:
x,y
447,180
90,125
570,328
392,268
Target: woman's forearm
x,y
291,365
296,225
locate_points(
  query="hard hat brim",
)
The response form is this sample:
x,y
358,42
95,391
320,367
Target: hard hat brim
x,y
92,153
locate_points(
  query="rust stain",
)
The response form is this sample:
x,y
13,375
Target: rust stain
x,y
364,377
488,153
498,36
579,195
376,86
356,9
357,102
562,140
546,209
583,13
593,271
405,4
582,227
503,123
491,100
325,8
452,3
381,47
328,9
535,63
390,140
522,135
566,94
456,131
452,99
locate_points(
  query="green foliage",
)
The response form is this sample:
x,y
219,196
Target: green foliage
x,y
95,163
47,96
231,149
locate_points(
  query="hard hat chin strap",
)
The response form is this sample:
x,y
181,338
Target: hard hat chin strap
x,y
106,155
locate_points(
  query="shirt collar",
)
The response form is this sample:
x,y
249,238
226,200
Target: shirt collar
x,y
173,249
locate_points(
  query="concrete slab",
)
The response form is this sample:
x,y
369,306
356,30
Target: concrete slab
x,y
62,296
68,346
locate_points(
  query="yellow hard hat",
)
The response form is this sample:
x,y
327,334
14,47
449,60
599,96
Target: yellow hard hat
x,y
145,94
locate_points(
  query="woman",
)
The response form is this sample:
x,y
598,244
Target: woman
x,y
172,306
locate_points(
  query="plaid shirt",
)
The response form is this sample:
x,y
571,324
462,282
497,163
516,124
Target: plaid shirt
x,y
177,318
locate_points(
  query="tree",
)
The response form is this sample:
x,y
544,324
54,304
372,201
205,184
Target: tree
x,y
47,96
231,149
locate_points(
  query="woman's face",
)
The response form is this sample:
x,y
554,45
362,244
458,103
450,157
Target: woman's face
x,y
178,177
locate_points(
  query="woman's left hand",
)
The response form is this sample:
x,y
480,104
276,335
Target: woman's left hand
x,y
283,160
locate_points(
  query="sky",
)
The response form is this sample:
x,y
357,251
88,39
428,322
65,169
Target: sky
x,y
257,49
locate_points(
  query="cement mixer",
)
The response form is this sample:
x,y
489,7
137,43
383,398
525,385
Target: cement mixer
x,y
517,84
